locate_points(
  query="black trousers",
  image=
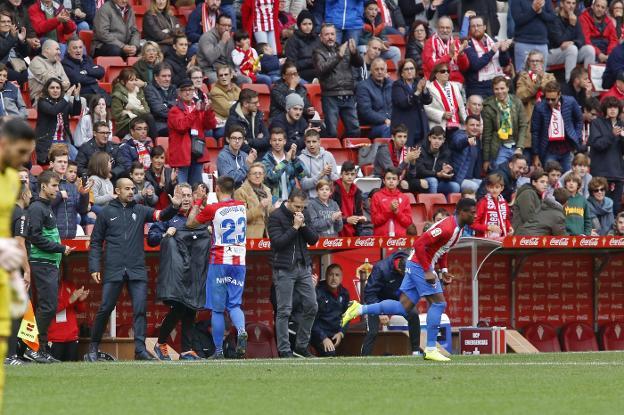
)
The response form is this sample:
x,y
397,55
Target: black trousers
x,y
616,194
65,352
110,294
46,279
372,327
112,50
179,312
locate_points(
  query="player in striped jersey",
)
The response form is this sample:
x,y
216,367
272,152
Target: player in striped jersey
x,y
421,279
226,268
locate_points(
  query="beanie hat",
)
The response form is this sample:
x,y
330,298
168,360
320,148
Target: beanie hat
x,y
293,100
304,14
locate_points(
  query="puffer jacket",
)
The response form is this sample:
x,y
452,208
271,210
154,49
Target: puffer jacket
x,y
65,210
330,309
285,239
465,158
384,281
374,101
491,124
300,47
334,72
313,165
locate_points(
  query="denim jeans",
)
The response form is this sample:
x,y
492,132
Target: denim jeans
x,y
564,159
347,34
521,50
191,174
504,155
382,130
343,106
438,186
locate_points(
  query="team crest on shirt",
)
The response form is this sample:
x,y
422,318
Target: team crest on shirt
x,y
435,232
134,217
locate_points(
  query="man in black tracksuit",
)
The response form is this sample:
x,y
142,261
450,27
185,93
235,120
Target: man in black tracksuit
x,y
121,225
383,284
292,271
45,257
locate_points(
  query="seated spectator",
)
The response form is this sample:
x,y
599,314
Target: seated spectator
x,y
443,48
578,216
373,51
232,161
325,214
616,14
51,21
511,172
374,26
579,86
504,125
447,107
600,206
551,219
258,201
270,63
161,95
20,18
333,300
290,83
135,146
282,168
44,67
318,163
177,57
224,95
618,226
300,47
598,30
246,59
434,165
13,47
418,35
151,55
63,332
128,102
115,31
53,111
100,175
556,128
96,112
286,20
349,199
439,214
493,219
99,143
487,59
553,170
202,19
398,155
615,65
161,26
144,193
81,69
391,213
465,155
529,198
188,122
12,103
374,98
580,167
78,15
409,96
215,48
161,177
246,114
293,122
617,90
605,141
259,17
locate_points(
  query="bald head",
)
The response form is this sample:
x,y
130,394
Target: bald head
x,y
124,189
51,50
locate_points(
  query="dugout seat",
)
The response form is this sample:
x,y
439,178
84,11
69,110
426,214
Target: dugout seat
x,y
454,197
449,207
578,337
261,342
543,336
612,336
429,199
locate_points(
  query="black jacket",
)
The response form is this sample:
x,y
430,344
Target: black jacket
x,y
160,101
122,227
178,66
84,72
300,47
183,265
428,164
285,239
408,109
334,72
88,149
252,130
560,31
384,281
43,234
330,310
606,150
47,110
294,132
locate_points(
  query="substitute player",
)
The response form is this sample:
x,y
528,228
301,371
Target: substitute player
x,y
421,279
226,267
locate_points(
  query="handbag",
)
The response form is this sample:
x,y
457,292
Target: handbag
x,y
197,144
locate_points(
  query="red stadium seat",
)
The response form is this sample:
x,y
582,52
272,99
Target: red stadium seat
x,y
211,142
343,154
419,213
108,61
543,337
106,86
261,342
449,207
399,42
382,140
367,169
411,198
350,142
314,95
578,337
392,70
87,37
429,199
264,95
612,336
163,142
454,197
31,116
330,143
113,71
185,11
132,60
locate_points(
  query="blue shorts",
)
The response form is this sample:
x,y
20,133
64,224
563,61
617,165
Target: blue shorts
x,y
224,286
414,285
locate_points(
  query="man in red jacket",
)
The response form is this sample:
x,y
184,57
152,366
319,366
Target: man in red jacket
x,y
391,213
51,20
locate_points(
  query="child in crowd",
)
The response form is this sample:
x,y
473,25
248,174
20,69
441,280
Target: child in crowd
x,y
618,226
391,213
434,164
325,214
553,169
270,64
102,190
246,59
440,214
469,193
493,218
578,220
349,199
580,167
144,192
317,162
162,178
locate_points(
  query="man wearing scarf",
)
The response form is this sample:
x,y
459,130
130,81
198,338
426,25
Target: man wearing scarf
x,y
135,146
203,19
442,47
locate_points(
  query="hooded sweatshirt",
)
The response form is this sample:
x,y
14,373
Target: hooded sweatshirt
x,y
313,166
321,213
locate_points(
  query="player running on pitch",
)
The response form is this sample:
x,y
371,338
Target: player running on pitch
x,y
226,268
421,279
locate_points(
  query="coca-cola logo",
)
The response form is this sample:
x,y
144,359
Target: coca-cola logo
x,y
534,241
365,242
332,243
559,242
397,242
616,242
589,242
264,244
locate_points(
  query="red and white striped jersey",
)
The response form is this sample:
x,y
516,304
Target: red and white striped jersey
x,y
432,247
263,18
229,227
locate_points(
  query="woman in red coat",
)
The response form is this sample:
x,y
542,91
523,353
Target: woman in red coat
x,y
61,21
188,118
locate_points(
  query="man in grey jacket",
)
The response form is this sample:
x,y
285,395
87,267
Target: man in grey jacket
x,y
115,30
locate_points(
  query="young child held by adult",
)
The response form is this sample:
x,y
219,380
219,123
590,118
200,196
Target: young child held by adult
x,y
144,192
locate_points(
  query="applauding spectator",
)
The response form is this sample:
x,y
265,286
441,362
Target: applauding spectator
x,y
144,193
13,47
282,168
409,95
349,199
390,209
51,21
63,332
12,103
161,177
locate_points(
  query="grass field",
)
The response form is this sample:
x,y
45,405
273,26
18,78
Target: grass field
x,y
565,383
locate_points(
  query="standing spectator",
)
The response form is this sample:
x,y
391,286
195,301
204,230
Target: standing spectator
x,y
115,30
317,162
409,96
247,115
474,106
325,214
282,168
187,122
161,96
375,27
578,215
161,26
374,98
129,102
215,48
615,65
465,155
177,57
51,21
144,193
493,219
161,177
600,206
349,199
45,257
80,69
487,59
529,198
202,19
224,95
53,111
194,73
566,40
447,108
332,301
100,175
11,101
346,17
44,67
556,128
135,146
290,83
531,20
396,154
99,143
300,47
13,47
63,332
290,233
605,141
260,18
151,55
292,121
333,64
599,30
434,165
418,35
485,8
257,198
443,48
391,213
504,126
232,161
551,219
96,112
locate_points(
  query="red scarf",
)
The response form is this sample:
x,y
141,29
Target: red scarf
x,y
556,128
538,96
496,214
399,158
247,64
144,154
454,121
442,48
59,132
206,22
347,206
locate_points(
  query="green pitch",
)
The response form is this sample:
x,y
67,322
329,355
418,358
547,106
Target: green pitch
x,y
572,383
